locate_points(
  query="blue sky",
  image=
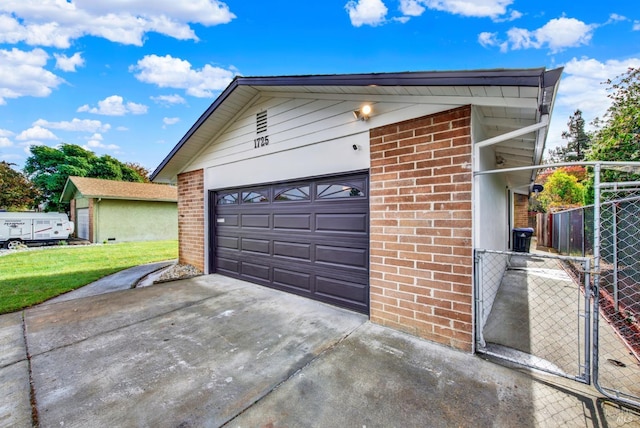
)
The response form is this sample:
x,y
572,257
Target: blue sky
x,y
128,78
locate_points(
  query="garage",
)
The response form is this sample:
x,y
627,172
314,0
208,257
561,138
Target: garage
x,y
399,244
308,237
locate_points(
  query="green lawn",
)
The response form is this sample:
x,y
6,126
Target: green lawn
x,y
31,277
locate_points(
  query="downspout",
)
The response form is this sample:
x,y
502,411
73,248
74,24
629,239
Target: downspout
x,y
96,216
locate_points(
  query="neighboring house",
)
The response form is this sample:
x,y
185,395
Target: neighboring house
x,y
108,210
291,182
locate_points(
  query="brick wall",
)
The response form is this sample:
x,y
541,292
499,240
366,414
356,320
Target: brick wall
x,y
421,252
72,216
521,211
191,218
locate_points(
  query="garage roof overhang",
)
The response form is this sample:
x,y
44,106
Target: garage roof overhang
x,y
513,107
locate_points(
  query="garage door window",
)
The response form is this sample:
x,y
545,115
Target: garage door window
x,y
253,197
339,190
298,193
227,198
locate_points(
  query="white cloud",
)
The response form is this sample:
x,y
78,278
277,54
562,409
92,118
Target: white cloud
x,y
476,8
23,74
497,10
75,125
96,144
636,25
57,23
366,12
114,106
170,120
614,17
557,35
511,17
36,133
581,88
411,7
69,63
487,39
4,138
168,100
169,72
26,146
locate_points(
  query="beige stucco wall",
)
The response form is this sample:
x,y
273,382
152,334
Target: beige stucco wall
x,y
82,202
121,220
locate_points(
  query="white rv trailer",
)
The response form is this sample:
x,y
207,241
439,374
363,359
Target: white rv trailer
x,y
27,227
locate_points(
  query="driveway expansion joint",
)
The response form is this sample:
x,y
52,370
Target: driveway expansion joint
x,y
295,373
32,391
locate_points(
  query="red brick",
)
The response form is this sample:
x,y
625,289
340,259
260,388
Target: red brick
x,y
191,218
428,195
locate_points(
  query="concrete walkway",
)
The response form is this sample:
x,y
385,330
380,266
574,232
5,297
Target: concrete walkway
x,y
122,280
213,351
538,319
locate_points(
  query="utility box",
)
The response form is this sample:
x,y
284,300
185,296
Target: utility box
x,y
522,239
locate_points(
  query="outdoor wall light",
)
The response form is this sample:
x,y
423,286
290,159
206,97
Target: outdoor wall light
x,y
537,188
363,113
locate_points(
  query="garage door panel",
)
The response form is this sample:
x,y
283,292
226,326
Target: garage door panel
x,y
255,270
341,256
349,291
255,245
342,222
228,242
292,249
255,220
292,221
314,243
227,220
228,265
288,278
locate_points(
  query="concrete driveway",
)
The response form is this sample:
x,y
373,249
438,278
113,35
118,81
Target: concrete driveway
x,y
212,351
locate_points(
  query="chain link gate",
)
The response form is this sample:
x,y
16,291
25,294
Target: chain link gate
x,y
534,310
617,260
592,337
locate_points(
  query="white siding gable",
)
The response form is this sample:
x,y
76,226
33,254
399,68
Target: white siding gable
x,y
306,137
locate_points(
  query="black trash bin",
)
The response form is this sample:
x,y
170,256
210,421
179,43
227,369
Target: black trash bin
x,y
522,239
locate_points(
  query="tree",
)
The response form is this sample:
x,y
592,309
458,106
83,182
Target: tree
x,y
561,191
578,142
16,191
49,168
142,171
618,135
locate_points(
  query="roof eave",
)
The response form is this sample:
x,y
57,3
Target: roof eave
x,y
496,77
218,101
68,185
130,198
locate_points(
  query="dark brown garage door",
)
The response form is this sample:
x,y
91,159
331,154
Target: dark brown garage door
x,y
307,237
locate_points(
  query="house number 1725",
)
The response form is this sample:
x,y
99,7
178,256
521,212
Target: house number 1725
x,y
261,142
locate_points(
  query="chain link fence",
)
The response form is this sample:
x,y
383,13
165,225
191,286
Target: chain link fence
x,y
532,310
619,291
